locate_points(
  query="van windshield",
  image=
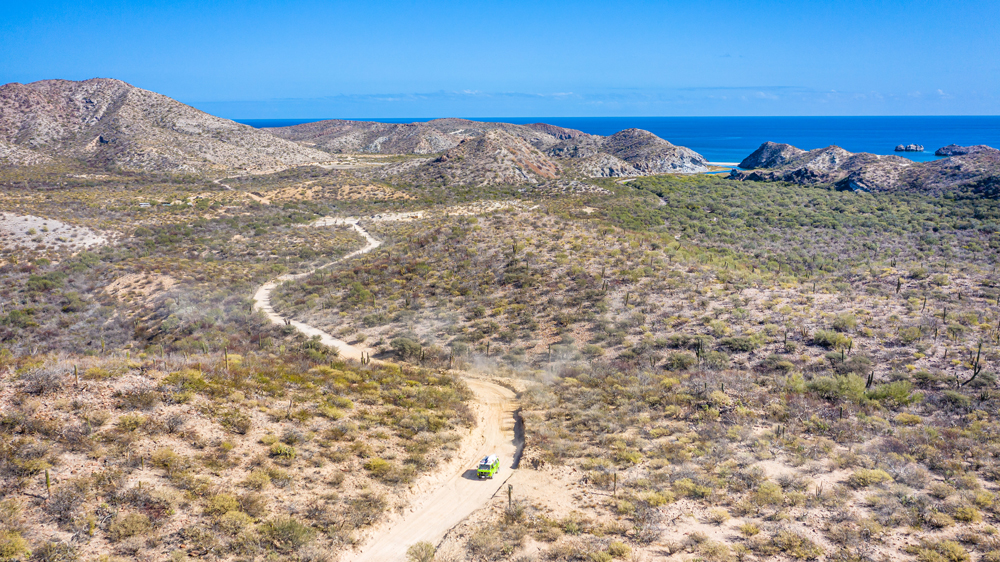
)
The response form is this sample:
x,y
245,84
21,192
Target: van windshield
x,y
484,467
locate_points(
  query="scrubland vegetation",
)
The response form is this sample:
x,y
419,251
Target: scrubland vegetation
x,y
735,371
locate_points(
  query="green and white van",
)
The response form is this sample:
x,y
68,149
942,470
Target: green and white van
x,y
488,466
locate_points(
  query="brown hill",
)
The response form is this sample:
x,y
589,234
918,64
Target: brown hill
x,y
488,153
109,123
497,157
976,168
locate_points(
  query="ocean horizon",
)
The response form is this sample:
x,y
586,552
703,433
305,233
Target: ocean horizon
x,y
731,139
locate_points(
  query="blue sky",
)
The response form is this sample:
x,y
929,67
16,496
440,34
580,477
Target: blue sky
x,y
298,58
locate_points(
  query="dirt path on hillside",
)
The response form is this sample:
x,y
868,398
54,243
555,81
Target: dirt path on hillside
x,y
454,491
262,298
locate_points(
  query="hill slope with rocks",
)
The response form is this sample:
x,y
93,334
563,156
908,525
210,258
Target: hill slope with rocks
x,y
976,168
110,124
485,153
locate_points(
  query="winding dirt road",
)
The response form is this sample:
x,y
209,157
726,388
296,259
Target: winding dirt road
x,y
262,298
454,492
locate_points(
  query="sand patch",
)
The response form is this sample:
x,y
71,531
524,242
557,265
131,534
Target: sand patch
x,y
139,285
34,232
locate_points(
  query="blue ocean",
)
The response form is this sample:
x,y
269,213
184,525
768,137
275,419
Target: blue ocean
x,y
730,139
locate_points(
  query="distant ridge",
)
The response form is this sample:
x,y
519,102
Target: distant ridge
x,y
109,123
483,153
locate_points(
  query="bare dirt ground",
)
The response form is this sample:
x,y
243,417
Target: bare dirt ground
x,y
29,230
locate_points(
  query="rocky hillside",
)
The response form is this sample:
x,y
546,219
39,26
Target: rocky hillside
x,y
108,123
976,168
488,153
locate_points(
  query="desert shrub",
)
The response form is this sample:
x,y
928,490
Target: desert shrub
x,y
831,339
169,460
680,361
234,522
127,526
865,477
253,504
130,422
718,516
282,451
894,394
55,552
618,549
236,421
957,399
41,381
13,546
967,514
796,545
845,322
258,479
422,551
768,493
364,510
389,472
715,360
285,534
67,499
220,504
405,347
940,551
843,387
740,344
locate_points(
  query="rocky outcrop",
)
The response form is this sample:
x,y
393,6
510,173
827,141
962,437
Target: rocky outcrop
x,y
14,155
909,148
975,168
770,155
108,123
650,154
956,150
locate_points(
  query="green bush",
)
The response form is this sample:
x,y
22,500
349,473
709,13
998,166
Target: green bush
x,y
221,504
128,526
865,477
680,361
739,344
895,394
282,451
13,546
847,387
285,535
831,339
845,322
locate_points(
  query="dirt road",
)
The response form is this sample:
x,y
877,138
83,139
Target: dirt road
x,y
455,496
262,298
454,491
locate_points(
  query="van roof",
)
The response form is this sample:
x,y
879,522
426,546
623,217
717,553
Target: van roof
x,y
489,459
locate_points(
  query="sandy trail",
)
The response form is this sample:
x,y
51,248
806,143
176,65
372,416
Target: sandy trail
x,y
432,515
455,491
262,298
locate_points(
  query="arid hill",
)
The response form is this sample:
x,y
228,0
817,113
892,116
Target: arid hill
x,y
975,168
632,152
108,123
